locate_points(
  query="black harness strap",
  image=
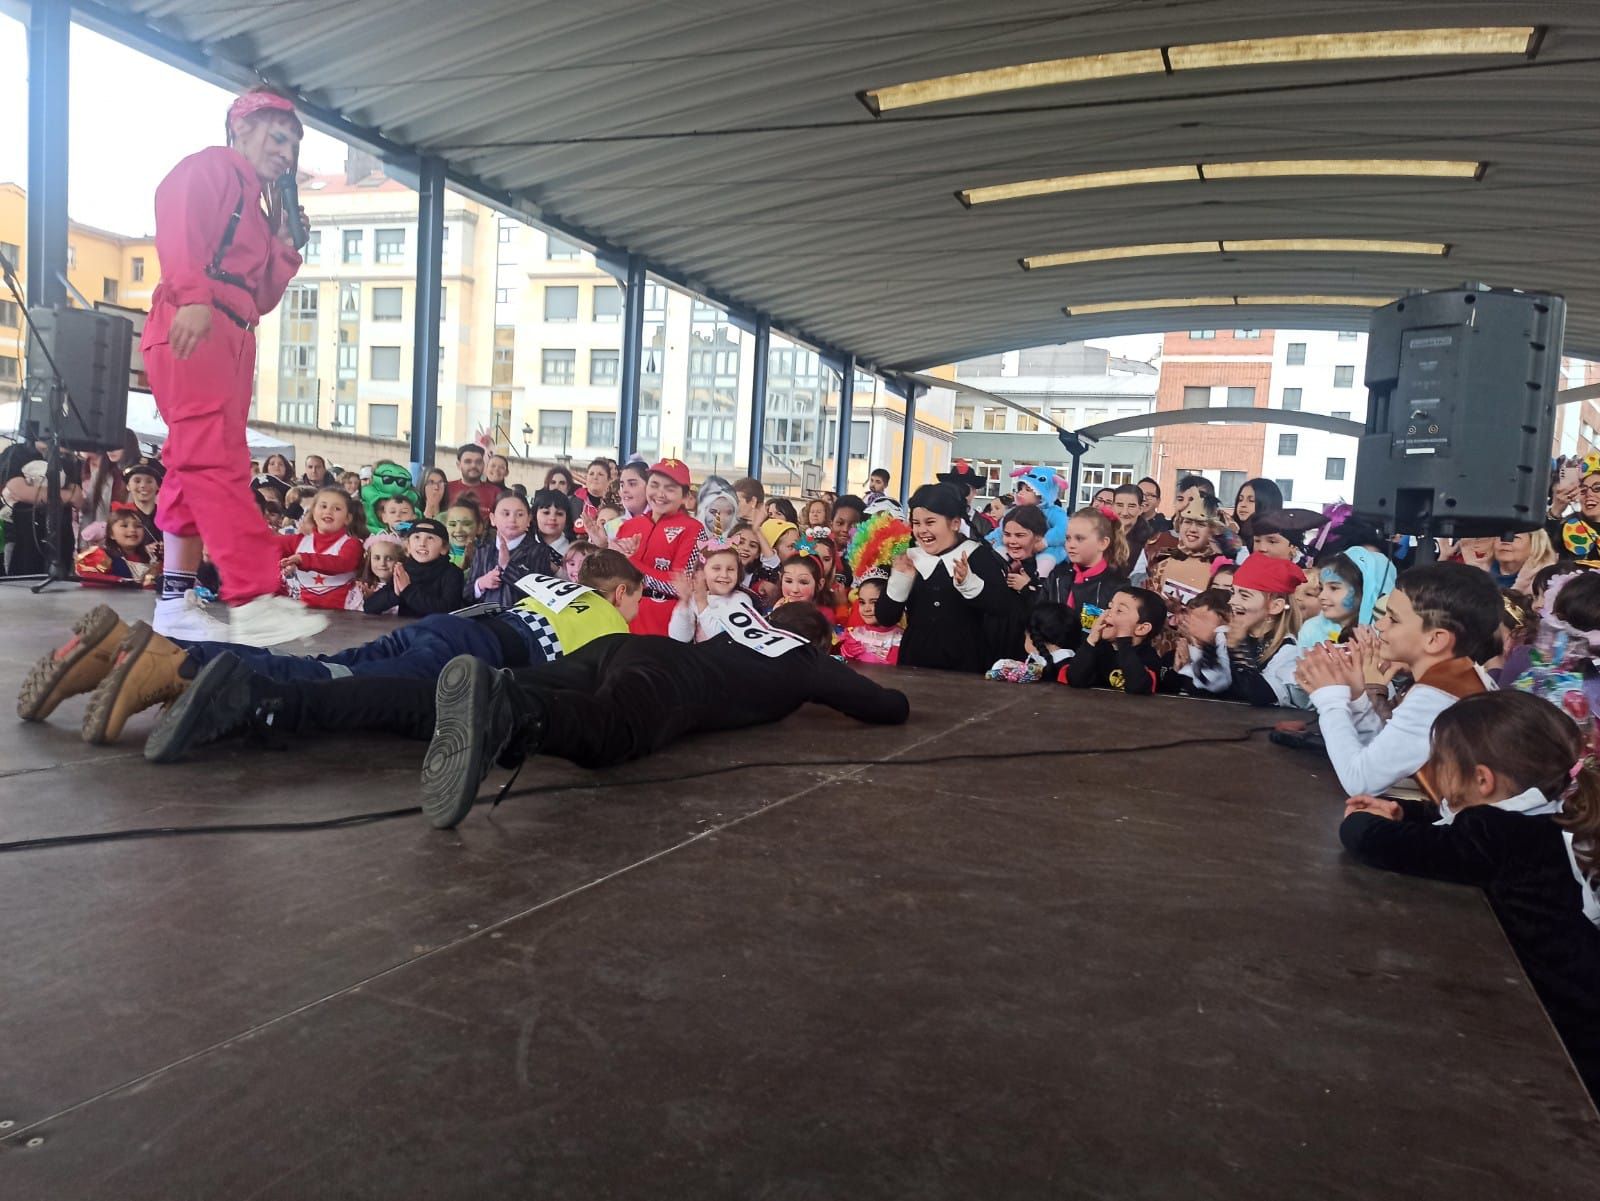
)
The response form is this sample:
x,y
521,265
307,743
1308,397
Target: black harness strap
x,y
215,270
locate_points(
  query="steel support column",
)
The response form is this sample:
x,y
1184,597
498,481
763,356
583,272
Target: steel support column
x,y
632,355
758,395
847,404
908,442
430,289
49,46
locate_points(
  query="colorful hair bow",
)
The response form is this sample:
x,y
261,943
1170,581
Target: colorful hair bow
x,y
122,506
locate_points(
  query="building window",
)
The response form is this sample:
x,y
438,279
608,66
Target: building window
x,y
1297,354
1229,484
505,232
964,414
1241,398
1202,335
72,257
1347,335
1247,334
8,368
602,430
502,295
557,366
386,304
994,419
1028,422
13,254
349,302
344,415
1291,399
383,421
386,362
603,369
561,249
352,245
607,303
555,427
390,245
1286,487
312,254
561,304
655,298
138,269
1335,469
1288,444
860,438
108,290
1197,398
1344,377
8,314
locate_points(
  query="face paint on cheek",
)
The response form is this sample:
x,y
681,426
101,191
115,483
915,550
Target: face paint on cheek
x,y
1330,576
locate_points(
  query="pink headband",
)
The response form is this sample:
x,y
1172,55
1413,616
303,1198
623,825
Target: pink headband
x,y
383,536
253,102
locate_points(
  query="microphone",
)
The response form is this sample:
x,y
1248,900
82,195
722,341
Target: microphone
x,y
289,197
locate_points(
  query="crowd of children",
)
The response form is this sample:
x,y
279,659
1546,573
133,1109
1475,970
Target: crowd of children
x,y
1393,661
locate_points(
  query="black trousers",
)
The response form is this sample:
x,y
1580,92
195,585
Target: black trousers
x,y
619,698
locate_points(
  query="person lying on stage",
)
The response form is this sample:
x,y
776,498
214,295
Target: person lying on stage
x,y
618,698
131,668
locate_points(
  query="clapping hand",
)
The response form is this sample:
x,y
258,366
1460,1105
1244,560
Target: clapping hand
x,y
402,577
628,546
959,575
488,581
901,565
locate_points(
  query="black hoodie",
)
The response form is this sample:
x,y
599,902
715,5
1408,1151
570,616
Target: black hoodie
x,y
436,587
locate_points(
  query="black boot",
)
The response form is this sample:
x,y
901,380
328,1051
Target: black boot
x,y
480,719
225,698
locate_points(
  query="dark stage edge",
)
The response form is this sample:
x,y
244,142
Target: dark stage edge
x,y
1134,976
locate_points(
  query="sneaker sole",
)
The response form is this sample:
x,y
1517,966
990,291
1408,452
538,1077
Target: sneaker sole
x,y
170,739
98,716
39,697
449,771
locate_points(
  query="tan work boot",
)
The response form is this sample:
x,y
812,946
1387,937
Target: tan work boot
x,y
143,673
79,666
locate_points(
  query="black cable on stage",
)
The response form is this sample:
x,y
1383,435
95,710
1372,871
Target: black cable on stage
x,y
382,815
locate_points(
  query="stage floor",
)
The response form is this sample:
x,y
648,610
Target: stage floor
x,y
1143,975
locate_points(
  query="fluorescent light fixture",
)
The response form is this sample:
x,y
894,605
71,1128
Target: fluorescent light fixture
x,y
1227,302
1105,253
1118,306
1333,245
1249,52
1430,167
1280,245
1079,183
1349,302
1427,168
1332,47
1012,79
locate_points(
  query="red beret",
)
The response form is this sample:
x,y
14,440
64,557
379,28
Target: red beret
x,y
675,470
1263,573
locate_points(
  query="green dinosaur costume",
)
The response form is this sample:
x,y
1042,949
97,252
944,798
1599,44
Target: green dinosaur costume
x,y
388,479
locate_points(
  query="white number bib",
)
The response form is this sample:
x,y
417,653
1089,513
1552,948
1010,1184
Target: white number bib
x,y
552,592
749,628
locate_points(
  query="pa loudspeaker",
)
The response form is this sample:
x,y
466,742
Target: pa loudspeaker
x,y
1460,412
91,350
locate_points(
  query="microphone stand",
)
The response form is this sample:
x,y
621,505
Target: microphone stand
x,y
55,568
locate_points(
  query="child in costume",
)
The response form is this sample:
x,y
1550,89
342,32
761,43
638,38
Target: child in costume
x,y
398,513
1350,584
381,553
1119,651
662,543
513,553
1255,662
1040,487
1022,535
572,562
1518,815
321,560
426,581
865,640
1050,640
465,525
1562,663
552,520
949,588
799,579
1580,533
121,554
1087,581
388,479
712,596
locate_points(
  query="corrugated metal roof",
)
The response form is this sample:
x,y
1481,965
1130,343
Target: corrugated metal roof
x,y
723,140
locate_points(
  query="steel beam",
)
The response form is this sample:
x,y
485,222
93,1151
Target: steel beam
x,y
49,53
758,394
430,288
907,443
847,404
632,355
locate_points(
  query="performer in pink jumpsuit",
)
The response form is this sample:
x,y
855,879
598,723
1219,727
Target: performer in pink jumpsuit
x,y
225,260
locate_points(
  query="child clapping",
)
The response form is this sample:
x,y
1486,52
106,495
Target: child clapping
x,y
426,582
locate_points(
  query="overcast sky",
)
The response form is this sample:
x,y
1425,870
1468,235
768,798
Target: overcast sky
x,y
133,118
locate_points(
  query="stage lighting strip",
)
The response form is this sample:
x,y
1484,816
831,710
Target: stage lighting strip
x,y
1228,302
1197,172
1517,40
1103,254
